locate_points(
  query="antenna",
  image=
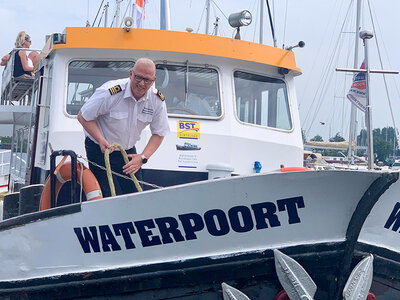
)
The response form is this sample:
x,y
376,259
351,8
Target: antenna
x,y
271,24
106,14
87,13
300,44
117,12
96,14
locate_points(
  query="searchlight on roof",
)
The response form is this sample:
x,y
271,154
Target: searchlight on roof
x,y
239,19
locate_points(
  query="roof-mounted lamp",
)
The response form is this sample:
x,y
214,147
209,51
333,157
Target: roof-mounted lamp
x,y
128,22
237,20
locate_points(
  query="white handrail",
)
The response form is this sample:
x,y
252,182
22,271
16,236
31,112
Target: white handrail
x,y
5,162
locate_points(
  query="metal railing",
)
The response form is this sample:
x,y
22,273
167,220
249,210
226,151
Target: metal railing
x,y
15,89
5,157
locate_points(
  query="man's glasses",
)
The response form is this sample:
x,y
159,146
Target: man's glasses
x,y
29,41
139,78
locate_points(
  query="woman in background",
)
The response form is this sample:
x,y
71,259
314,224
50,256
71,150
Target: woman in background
x,y
23,64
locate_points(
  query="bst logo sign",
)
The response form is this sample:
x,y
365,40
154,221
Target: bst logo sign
x,y
188,130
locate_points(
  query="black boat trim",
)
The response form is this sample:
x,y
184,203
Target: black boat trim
x,y
360,214
204,275
206,272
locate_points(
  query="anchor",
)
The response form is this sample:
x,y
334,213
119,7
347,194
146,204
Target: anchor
x,y
298,284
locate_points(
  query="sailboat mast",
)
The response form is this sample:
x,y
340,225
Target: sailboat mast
x,y
353,114
365,36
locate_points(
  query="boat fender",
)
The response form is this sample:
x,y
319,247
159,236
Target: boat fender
x,y
90,184
371,296
294,169
282,296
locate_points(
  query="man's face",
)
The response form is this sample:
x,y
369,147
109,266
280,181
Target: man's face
x,y
142,77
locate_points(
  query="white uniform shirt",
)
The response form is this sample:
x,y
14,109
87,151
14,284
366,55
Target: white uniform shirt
x,y
121,118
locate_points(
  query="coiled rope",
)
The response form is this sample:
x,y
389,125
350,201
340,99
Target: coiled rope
x,y
108,168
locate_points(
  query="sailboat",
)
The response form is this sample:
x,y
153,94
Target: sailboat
x,y
359,98
212,215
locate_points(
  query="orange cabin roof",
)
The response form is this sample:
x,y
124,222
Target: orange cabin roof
x,y
176,41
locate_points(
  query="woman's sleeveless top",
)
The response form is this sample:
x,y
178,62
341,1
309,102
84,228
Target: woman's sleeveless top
x,y
18,69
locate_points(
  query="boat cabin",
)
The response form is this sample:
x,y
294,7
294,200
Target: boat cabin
x,y
231,103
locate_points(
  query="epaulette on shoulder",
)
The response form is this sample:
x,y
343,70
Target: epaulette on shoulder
x,y
159,94
115,89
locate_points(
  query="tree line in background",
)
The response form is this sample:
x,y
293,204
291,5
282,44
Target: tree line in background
x,y
5,142
385,143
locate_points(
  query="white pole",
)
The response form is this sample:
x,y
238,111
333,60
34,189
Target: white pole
x,y
208,17
105,14
353,113
261,21
117,12
165,15
368,112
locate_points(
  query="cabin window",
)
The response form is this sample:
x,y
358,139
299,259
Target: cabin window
x,y
84,77
189,90
262,100
47,100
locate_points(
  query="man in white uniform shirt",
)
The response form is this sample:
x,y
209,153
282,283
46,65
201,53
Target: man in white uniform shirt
x,y
117,112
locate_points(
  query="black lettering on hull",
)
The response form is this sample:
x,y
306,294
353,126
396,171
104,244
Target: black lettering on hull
x,y
215,222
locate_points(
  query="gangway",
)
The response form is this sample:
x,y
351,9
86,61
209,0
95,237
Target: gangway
x,y
18,111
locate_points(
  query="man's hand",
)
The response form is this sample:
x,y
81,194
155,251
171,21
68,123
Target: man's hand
x,y
104,144
133,165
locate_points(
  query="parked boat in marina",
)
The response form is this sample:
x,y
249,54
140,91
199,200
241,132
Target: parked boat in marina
x,y
182,241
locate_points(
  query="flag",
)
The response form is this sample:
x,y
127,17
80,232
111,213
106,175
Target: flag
x,y
358,93
140,4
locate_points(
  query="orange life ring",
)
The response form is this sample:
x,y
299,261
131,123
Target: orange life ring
x,y
90,184
294,169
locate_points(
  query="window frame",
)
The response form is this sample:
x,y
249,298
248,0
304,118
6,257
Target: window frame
x,y
68,115
257,125
196,65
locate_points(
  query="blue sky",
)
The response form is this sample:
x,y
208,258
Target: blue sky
x,y
317,22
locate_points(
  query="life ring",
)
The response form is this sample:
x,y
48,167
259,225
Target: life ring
x,y
294,169
90,184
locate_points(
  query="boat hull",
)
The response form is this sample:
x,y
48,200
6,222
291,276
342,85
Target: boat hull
x,y
184,241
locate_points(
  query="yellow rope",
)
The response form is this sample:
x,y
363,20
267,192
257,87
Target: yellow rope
x,y
108,167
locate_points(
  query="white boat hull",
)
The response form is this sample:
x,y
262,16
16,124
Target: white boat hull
x,y
192,225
